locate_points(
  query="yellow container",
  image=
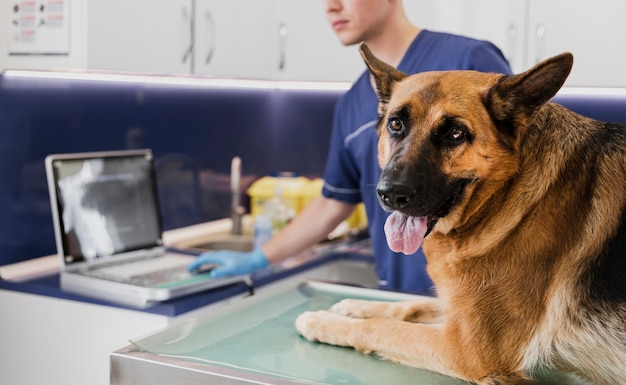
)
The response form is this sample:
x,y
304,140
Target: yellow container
x,y
312,190
291,190
297,193
356,221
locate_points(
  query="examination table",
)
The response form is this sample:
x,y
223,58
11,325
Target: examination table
x,y
253,341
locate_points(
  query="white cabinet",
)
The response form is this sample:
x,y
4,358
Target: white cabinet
x,y
270,39
148,36
233,38
258,39
306,48
528,31
53,341
594,32
291,39
501,22
124,35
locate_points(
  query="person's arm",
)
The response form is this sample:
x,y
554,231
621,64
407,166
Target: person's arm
x,y
310,226
315,222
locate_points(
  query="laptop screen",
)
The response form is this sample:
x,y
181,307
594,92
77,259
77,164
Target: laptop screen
x,y
106,203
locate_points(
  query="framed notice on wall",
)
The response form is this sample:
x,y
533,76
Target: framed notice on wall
x,y
38,27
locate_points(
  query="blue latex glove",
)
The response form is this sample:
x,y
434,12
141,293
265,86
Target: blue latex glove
x,y
231,262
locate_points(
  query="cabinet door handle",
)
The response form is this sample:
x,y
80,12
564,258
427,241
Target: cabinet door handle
x,y
282,43
211,26
189,51
540,37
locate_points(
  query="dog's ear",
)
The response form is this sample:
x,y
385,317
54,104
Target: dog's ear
x,y
514,99
384,77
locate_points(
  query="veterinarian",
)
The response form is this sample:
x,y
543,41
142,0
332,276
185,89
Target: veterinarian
x,y
352,170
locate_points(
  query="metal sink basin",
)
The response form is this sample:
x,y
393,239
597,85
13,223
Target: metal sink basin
x,y
227,242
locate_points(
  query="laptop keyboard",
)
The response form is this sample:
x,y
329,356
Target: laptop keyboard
x,y
159,277
148,279
148,272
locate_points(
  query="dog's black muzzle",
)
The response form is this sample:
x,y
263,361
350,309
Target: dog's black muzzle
x,y
417,194
412,190
394,196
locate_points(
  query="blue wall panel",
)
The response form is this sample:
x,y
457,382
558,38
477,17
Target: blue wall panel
x,y
193,131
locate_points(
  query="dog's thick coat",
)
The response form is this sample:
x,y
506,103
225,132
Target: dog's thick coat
x,y
523,204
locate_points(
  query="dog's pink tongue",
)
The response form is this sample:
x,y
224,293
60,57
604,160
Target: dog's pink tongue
x,y
405,234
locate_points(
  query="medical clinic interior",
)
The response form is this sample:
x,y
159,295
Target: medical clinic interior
x,y
164,166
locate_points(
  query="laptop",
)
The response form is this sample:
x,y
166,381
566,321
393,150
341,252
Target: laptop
x,y
108,230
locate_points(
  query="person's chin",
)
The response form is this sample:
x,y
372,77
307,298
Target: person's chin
x,y
348,39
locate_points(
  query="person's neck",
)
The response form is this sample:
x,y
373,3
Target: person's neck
x,y
390,47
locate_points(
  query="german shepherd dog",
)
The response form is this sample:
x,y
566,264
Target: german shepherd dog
x,y
522,205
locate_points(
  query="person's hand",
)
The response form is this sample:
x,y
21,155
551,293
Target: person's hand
x,y
231,262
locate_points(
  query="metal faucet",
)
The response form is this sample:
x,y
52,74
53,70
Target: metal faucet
x,y
236,210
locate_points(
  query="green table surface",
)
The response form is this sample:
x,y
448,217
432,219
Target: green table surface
x,y
257,335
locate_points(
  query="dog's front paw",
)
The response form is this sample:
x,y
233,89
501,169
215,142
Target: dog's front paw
x,y
324,326
308,325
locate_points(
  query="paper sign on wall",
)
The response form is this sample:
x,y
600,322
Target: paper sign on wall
x,y
39,27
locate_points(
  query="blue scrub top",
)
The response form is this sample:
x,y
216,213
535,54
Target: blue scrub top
x,y
352,169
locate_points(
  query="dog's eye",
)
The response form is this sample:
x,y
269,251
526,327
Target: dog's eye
x,y
451,132
395,124
456,134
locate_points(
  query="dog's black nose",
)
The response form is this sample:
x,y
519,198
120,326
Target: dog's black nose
x,y
394,195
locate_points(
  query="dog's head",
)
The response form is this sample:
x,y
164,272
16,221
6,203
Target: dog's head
x,y
446,137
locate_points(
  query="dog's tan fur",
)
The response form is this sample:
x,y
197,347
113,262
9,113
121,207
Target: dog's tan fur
x,y
527,261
